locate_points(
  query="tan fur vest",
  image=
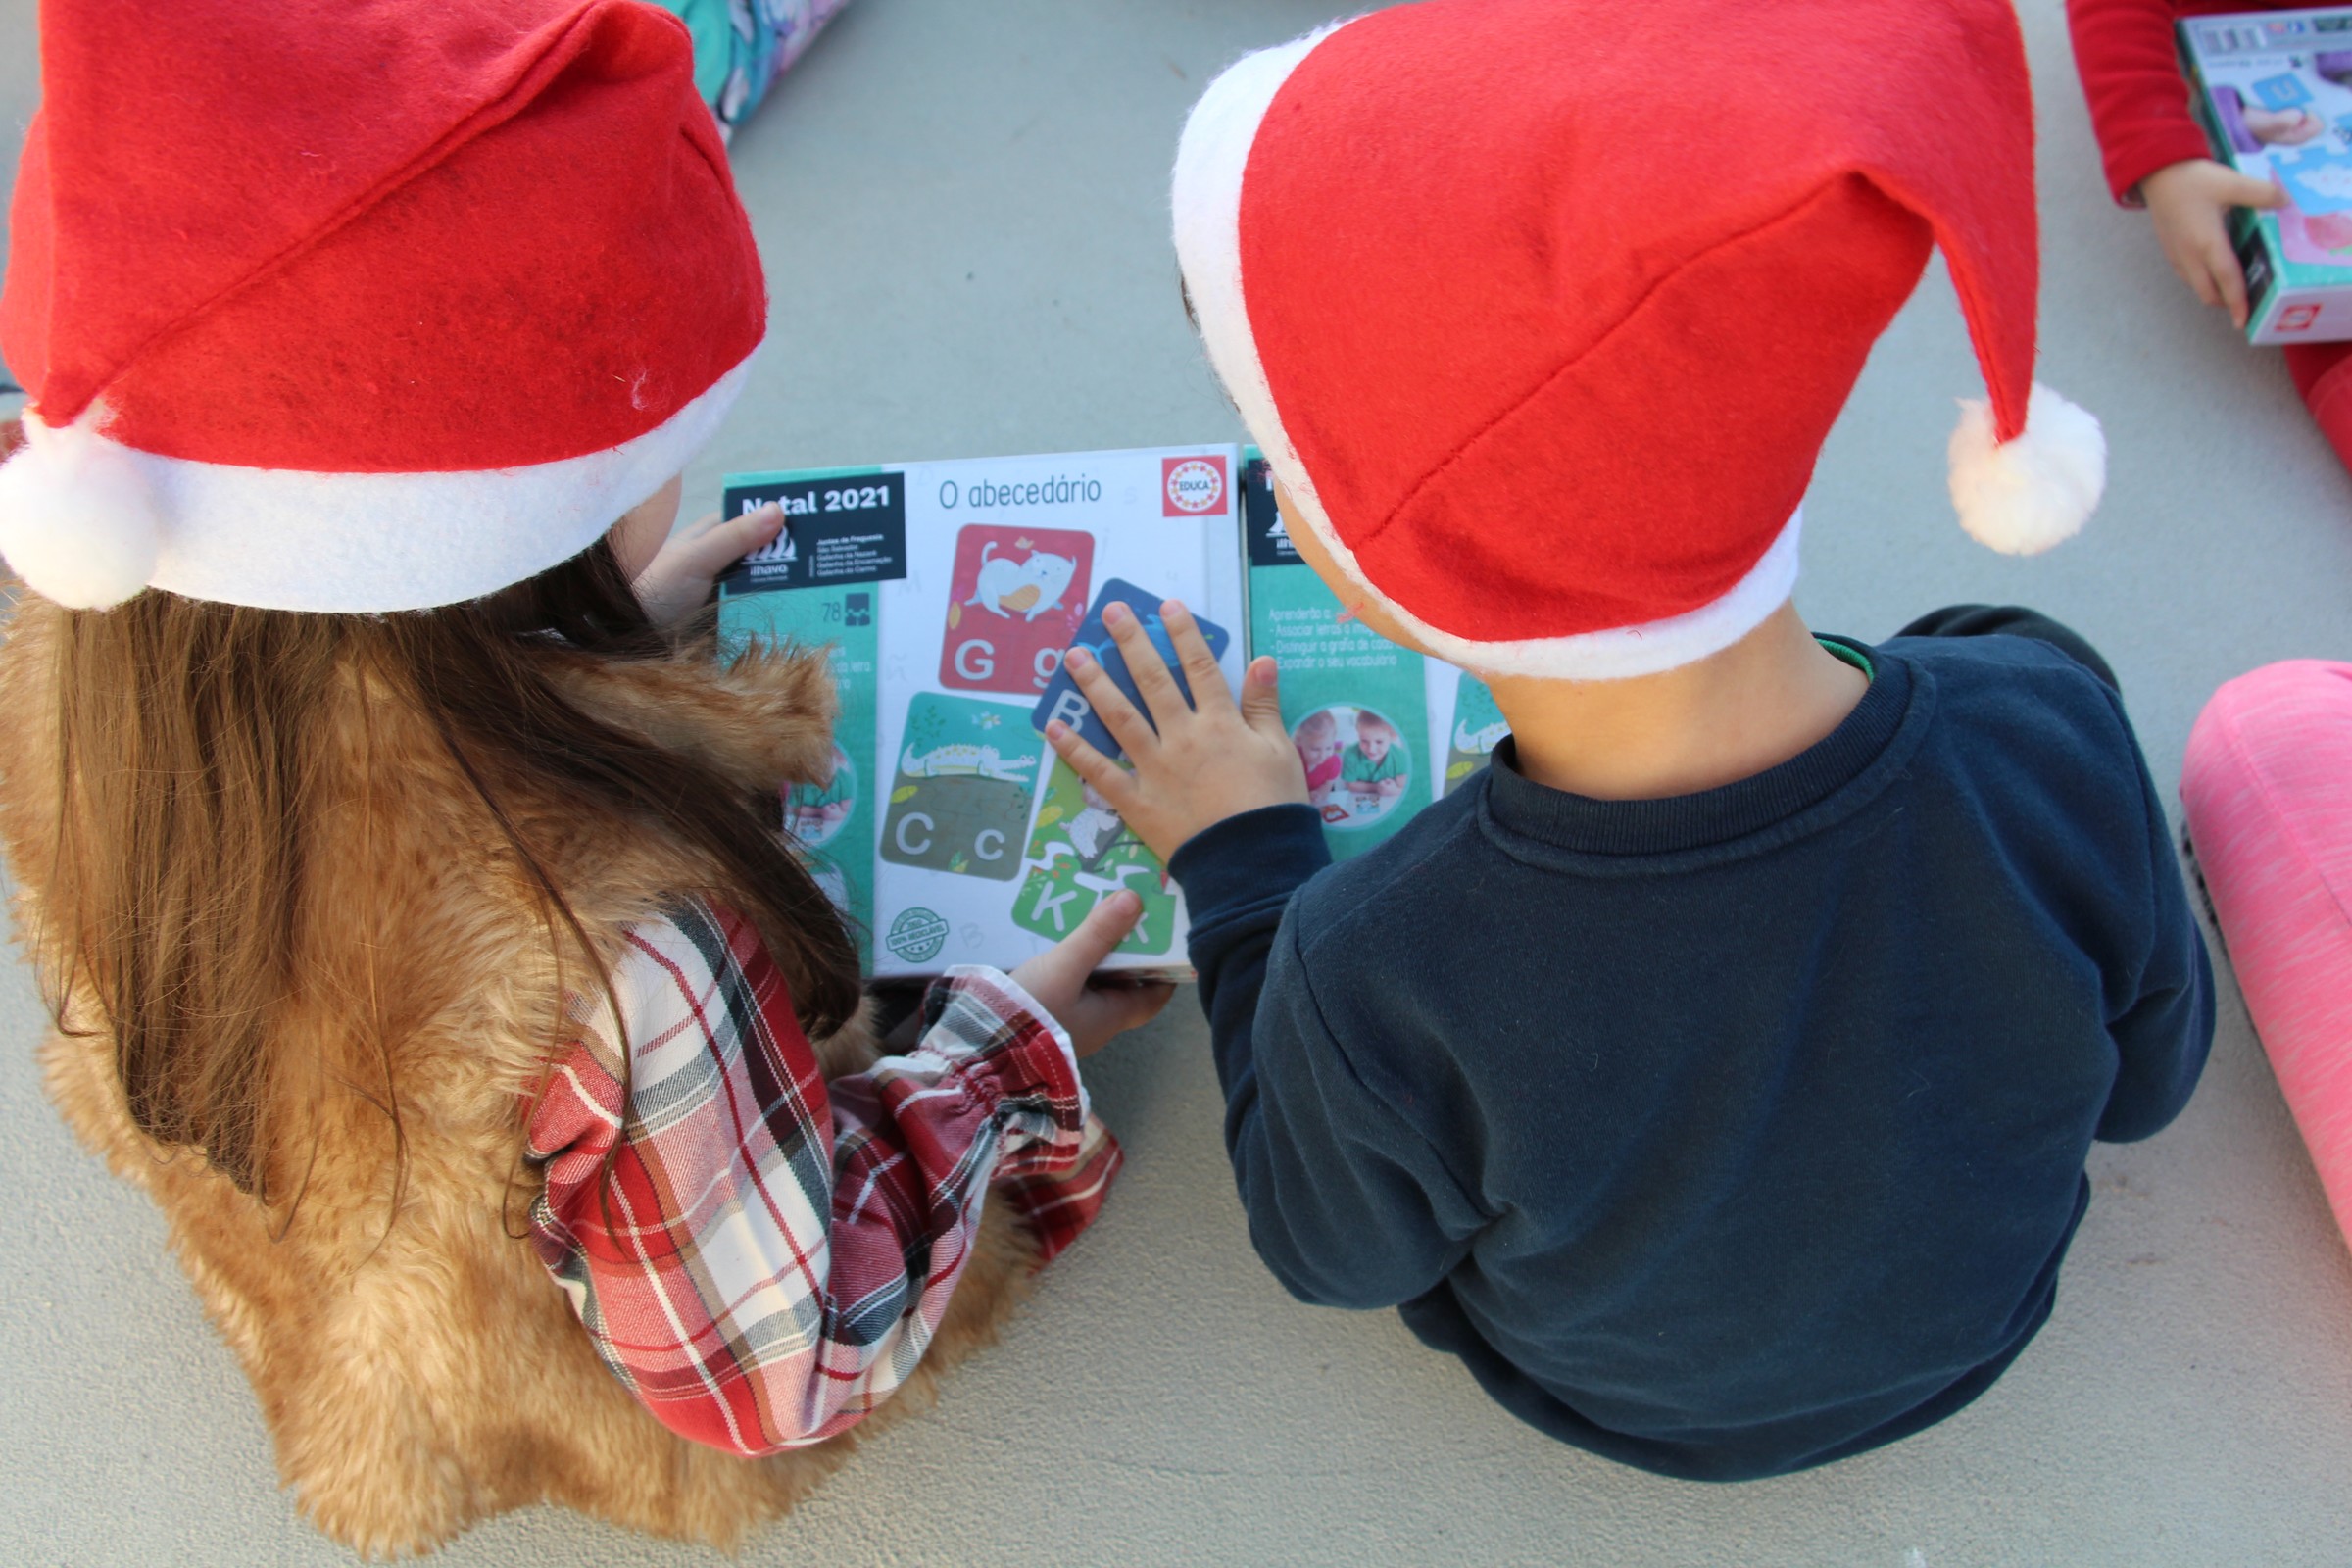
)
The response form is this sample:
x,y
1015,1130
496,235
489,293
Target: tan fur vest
x,y
420,1371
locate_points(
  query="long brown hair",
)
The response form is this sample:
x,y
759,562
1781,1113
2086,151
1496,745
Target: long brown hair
x,y
191,738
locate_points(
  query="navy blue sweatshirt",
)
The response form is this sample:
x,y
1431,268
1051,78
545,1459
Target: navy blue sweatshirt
x,y
1733,1133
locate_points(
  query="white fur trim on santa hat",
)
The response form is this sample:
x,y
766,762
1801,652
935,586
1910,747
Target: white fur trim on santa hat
x,y
88,521
1206,198
2024,495
76,518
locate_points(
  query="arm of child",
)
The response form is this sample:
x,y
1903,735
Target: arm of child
x,y
2188,206
2163,1036
1324,1164
2153,148
1348,1204
2126,52
678,580
762,1258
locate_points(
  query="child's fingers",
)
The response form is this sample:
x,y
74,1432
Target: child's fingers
x,y
2228,282
2192,271
1098,934
1111,781
697,528
1144,666
1131,729
1126,1006
1200,669
2245,190
765,516
713,544
1262,697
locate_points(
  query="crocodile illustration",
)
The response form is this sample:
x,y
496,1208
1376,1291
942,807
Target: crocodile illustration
x,y
964,759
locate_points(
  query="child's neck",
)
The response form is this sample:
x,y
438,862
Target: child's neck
x,y
1729,717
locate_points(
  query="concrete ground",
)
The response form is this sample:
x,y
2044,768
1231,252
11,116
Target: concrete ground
x,y
963,208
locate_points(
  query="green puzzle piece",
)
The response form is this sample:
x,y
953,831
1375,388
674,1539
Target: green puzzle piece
x,y
1478,728
960,798
1054,901
1079,849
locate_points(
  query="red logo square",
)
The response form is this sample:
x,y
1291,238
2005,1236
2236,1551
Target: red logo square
x,y
1014,602
1192,487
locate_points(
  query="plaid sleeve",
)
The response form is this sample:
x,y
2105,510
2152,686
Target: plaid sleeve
x,y
762,1258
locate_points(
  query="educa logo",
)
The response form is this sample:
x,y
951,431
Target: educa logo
x,y
1191,486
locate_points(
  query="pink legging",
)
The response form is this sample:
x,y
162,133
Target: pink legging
x,y
2267,787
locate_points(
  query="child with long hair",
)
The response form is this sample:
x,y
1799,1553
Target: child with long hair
x,y
404,870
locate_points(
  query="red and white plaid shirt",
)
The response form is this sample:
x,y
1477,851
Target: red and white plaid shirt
x,y
762,1258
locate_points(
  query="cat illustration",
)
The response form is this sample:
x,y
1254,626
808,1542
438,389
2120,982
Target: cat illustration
x,y
1096,828
1032,586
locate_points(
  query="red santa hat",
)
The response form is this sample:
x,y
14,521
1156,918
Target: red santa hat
x,y
1542,309
360,305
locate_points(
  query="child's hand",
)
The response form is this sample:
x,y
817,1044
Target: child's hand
x,y
2190,202
1205,763
677,581
2283,128
1091,1008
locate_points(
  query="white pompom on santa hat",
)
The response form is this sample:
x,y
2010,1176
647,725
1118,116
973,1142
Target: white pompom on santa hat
x,y
366,308
1542,309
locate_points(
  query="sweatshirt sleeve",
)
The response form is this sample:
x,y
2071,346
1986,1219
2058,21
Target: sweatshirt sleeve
x,y
1349,1205
2161,1037
2129,63
759,1257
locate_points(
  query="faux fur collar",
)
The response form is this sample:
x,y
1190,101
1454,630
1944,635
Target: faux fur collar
x,y
763,719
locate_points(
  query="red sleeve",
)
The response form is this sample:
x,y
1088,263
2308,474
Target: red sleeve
x,y
2131,68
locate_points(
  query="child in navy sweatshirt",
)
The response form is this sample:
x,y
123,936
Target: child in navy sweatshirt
x,y
1714,1074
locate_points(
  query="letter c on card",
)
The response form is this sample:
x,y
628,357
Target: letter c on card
x,y
981,841
900,833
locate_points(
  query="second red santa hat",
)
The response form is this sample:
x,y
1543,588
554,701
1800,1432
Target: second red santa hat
x,y
1542,309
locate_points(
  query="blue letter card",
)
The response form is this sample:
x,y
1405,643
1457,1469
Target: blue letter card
x,y
1063,698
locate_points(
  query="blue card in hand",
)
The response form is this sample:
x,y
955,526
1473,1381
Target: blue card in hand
x,y
1063,698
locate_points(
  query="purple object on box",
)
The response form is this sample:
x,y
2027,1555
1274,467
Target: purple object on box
x,y
2232,112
